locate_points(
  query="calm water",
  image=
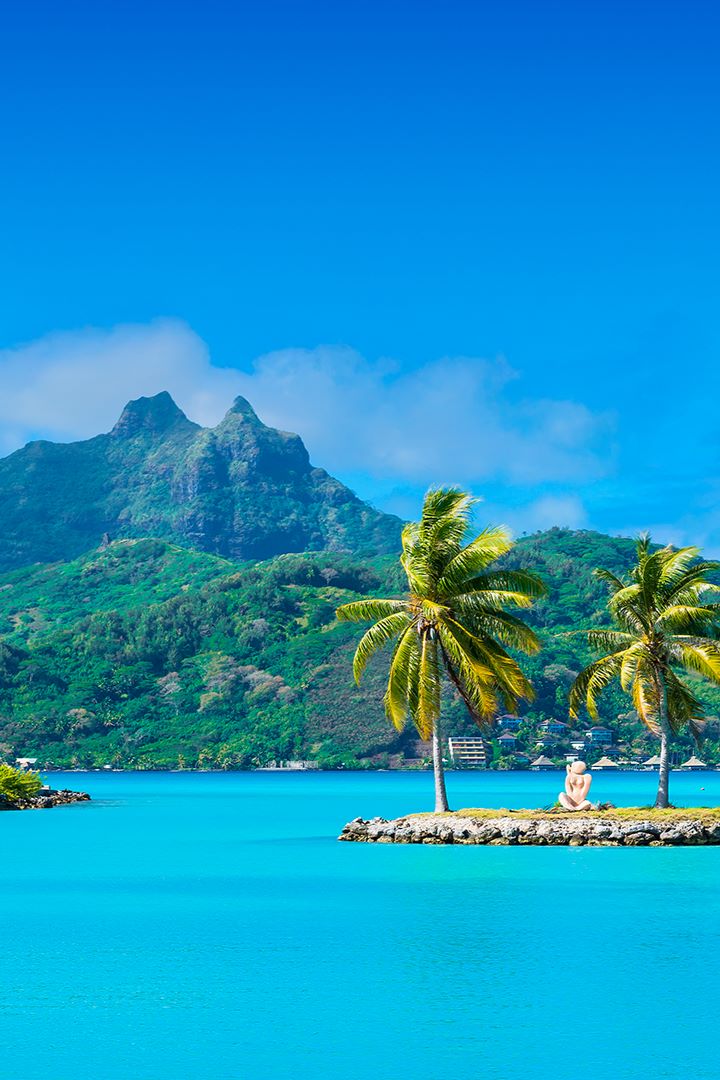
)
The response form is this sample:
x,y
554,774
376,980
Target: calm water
x,y
210,926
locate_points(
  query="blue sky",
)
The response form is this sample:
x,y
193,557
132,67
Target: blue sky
x,y
461,242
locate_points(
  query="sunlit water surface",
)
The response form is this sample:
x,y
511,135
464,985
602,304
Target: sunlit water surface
x,y
210,926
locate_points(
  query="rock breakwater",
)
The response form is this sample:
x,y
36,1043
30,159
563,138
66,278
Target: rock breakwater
x,y
45,799
638,828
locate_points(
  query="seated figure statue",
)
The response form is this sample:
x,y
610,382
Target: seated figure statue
x,y
577,787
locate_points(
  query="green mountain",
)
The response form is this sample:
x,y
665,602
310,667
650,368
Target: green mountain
x,y
240,490
167,596
145,653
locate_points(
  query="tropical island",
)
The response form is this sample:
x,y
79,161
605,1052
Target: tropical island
x,y
168,597
455,624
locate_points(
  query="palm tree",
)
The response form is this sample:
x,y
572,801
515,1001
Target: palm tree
x,y
452,623
665,624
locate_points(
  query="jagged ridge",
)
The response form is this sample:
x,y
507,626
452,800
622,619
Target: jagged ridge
x,y
241,490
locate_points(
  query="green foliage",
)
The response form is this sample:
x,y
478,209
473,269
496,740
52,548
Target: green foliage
x,y
452,624
666,622
453,620
230,666
16,784
147,654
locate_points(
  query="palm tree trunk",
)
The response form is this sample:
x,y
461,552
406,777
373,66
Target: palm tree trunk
x,y
441,800
661,801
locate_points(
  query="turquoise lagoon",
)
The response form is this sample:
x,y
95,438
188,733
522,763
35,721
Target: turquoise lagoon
x,y
193,926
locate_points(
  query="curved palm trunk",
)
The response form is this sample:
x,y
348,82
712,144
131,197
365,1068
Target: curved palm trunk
x,y
664,773
661,801
441,800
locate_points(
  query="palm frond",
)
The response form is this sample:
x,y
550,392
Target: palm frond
x,y
590,682
686,619
643,546
507,675
628,595
369,610
609,640
616,584
631,657
694,578
476,690
700,656
684,709
427,711
444,519
472,559
513,581
377,636
398,693
675,563
646,694
510,631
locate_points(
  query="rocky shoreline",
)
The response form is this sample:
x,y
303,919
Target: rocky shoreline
x,y
648,828
45,799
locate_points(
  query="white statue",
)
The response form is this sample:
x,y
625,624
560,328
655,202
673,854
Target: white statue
x,y
577,788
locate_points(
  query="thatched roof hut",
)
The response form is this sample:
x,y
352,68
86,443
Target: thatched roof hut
x,y
605,763
652,762
693,763
542,763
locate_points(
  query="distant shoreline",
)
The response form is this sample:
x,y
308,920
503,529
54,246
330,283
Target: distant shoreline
x,y
410,772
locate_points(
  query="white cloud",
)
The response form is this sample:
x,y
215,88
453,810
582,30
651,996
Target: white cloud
x,y
457,419
73,385
454,420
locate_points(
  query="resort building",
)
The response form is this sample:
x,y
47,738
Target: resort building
x,y
693,763
468,753
26,763
599,736
605,763
652,762
507,741
554,727
542,763
508,722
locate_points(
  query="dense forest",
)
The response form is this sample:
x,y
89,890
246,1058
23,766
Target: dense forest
x,y
143,653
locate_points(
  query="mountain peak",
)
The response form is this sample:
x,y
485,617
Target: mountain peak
x,y
156,413
241,490
242,407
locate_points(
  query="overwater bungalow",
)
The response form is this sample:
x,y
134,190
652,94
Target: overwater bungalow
x,y
605,763
652,762
693,763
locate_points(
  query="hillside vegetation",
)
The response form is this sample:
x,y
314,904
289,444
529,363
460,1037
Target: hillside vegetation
x,y
144,653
